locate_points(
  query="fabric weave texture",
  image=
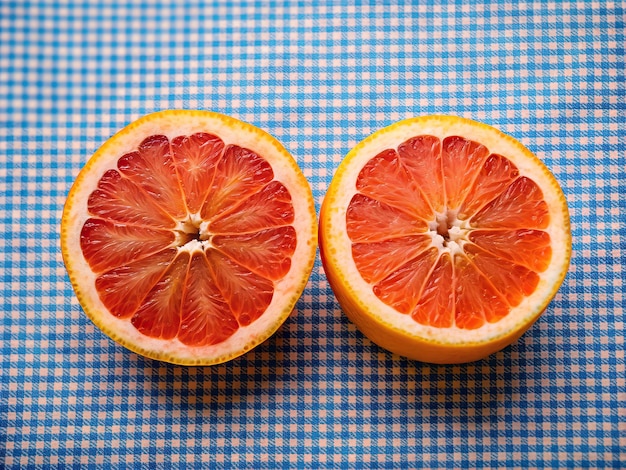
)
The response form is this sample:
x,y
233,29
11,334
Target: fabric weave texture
x,y
319,77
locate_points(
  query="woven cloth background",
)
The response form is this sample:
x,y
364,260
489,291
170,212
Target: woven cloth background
x,y
320,78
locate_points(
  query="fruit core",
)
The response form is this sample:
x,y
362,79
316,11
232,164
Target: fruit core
x,y
192,233
448,232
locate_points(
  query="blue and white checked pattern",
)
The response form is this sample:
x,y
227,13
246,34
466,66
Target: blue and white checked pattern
x,y
320,78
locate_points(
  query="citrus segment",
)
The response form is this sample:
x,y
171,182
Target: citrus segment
x,y
512,281
266,252
108,244
206,317
189,236
371,220
477,301
119,199
152,169
531,248
385,179
444,239
494,177
195,158
461,160
270,207
434,302
158,314
123,289
239,173
521,205
377,260
421,156
411,277
248,294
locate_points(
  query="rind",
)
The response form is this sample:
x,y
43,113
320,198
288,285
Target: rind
x,y
173,123
400,333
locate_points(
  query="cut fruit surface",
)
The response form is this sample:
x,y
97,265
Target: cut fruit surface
x,y
189,236
444,239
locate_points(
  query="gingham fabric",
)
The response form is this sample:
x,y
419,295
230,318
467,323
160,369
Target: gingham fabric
x,y
319,77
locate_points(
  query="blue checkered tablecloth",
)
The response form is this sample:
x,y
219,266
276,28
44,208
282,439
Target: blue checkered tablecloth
x,y
319,77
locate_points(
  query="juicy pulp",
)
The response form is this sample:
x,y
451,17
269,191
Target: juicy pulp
x,y
447,232
187,237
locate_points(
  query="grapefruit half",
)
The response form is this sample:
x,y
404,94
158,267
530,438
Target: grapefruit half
x,y
443,239
189,236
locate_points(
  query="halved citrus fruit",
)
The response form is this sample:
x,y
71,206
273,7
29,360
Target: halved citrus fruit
x,y
443,239
189,236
